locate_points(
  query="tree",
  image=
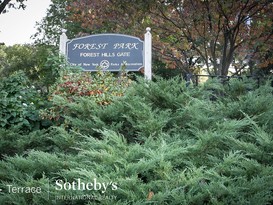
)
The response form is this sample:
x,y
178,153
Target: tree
x,y
215,31
188,33
4,4
68,15
50,28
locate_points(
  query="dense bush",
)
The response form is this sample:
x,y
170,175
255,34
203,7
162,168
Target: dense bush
x,y
19,102
159,143
75,86
40,63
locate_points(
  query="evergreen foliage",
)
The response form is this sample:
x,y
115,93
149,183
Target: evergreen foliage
x,y
159,143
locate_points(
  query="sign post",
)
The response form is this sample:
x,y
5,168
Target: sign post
x,y
63,41
148,54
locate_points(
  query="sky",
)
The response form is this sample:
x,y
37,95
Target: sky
x,y
17,26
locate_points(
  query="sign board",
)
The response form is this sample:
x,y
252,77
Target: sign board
x,y
106,51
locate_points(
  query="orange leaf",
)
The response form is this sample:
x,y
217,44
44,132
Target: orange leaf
x,y
150,195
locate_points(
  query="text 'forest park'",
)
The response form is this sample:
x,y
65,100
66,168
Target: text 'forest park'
x,y
104,46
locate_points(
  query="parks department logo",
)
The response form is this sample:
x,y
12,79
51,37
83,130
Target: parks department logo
x,y
104,64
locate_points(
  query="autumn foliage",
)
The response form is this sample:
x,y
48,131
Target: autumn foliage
x,y
189,35
100,87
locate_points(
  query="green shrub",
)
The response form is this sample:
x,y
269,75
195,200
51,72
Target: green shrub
x,y
40,63
53,139
160,143
19,103
210,169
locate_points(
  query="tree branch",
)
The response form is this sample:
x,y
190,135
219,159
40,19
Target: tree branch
x,y
3,5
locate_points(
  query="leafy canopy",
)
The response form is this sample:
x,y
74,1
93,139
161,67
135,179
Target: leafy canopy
x,y
214,34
